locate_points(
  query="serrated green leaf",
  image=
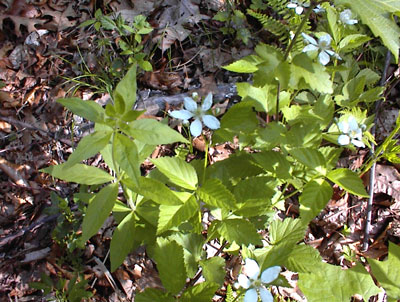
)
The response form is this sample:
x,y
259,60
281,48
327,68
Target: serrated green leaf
x,y
374,13
152,295
331,283
89,146
245,65
351,42
311,158
127,157
288,231
214,269
202,292
274,162
303,259
263,97
151,132
122,241
172,216
348,180
156,191
239,231
215,194
313,199
178,171
388,272
79,173
126,89
87,109
170,264
98,210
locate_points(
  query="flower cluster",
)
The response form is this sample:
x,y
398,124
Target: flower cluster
x,y
199,113
298,6
323,45
255,284
351,132
346,17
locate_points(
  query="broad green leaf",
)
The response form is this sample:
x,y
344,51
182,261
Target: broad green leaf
x,y
374,13
215,194
288,231
388,272
127,157
272,57
245,65
331,283
351,42
202,292
156,191
173,215
214,269
126,89
311,158
152,295
151,132
331,15
274,162
269,137
87,109
178,171
79,173
122,241
348,180
98,210
239,231
263,97
170,264
313,199
89,146
303,259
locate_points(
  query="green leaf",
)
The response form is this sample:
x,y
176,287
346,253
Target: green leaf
x,y
126,88
215,194
388,272
236,230
348,180
351,42
374,13
214,269
89,146
313,199
331,283
173,215
311,158
98,210
263,97
152,295
127,157
79,173
245,65
87,109
170,264
151,132
122,240
156,191
178,171
289,231
275,163
202,292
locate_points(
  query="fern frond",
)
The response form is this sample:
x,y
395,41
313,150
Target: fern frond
x,y
272,25
279,6
229,294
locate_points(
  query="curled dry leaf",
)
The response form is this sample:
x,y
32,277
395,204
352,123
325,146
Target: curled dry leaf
x,y
387,181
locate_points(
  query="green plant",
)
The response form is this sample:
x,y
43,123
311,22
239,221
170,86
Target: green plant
x,y
319,110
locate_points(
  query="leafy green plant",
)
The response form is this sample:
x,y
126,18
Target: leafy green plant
x,y
319,97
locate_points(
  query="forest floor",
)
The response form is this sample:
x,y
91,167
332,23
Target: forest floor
x,y
42,49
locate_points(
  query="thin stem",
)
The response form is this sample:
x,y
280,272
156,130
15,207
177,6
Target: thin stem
x,y
205,160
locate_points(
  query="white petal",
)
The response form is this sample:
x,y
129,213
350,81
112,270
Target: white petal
x,y
352,22
310,47
323,58
196,127
266,295
207,103
181,114
310,39
244,281
343,127
189,104
251,269
270,274
211,122
325,39
343,140
251,295
357,135
357,143
353,125
330,52
291,5
299,10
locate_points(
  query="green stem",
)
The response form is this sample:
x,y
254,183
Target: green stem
x,y
205,160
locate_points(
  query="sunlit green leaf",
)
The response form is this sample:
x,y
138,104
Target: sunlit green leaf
x,y
87,109
348,180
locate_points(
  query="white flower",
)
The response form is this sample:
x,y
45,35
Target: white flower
x,y
298,6
323,44
352,132
319,9
198,113
250,280
345,17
